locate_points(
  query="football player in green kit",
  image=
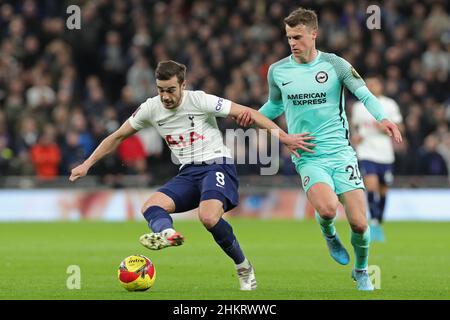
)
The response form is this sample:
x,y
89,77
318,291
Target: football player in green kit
x,y
308,86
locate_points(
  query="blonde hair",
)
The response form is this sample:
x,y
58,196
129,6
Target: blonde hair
x,y
302,16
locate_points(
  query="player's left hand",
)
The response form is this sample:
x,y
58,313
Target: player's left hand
x,y
391,130
298,141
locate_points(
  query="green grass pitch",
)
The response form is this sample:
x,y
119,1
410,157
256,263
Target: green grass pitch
x,y
290,259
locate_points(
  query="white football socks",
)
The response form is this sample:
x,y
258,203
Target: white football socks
x,y
244,264
166,233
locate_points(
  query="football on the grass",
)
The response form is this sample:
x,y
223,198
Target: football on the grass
x,y
137,273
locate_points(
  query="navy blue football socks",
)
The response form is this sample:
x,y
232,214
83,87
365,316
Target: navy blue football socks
x,y
381,205
158,219
224,236
374,208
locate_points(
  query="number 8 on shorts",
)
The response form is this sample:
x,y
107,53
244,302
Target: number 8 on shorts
x,y
220,179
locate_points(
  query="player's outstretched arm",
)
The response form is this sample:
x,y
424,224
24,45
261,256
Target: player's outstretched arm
x,y
374,107
292,141
108,145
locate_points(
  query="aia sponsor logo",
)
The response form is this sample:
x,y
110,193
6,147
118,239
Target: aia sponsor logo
x,y
182,140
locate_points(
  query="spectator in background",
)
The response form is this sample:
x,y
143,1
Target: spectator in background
x,y
435,59
79,123
46,155
140,79
31,51
25,137
227,45
95,102
85,43
5,151
444,148
72,152
132,154
60,118
67,85
5,154
110,120
403,161
431,161
58,56
113,65
15,104
126,105
438,21
41,96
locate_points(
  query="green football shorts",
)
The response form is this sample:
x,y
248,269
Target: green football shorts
x,y
339,170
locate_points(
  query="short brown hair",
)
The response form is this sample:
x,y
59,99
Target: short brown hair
x,y
167,69
302,16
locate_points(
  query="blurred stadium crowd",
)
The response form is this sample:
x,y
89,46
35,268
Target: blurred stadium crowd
x,y
62,91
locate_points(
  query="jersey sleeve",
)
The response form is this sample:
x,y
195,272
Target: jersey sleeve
x,y
371,103
141,118
348,75
211,104
353,81
273,108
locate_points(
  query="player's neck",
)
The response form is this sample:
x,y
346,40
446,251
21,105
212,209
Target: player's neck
x,y
308,57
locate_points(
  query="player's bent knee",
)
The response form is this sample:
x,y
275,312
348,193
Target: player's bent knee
x,y
208,219
359,227
210,211
159,200
327,210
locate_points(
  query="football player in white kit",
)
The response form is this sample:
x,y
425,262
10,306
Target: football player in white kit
x,y
375,153
207,178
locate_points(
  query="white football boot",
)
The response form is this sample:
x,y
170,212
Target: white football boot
x,y
247,279
157,240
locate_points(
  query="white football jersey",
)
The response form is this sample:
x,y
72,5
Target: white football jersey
x,y
190,130
375,145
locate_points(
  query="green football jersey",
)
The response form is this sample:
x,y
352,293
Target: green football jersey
x,y
312,97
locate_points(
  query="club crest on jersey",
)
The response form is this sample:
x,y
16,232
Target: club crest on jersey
x,y
191,117
306,181
321,77
355,73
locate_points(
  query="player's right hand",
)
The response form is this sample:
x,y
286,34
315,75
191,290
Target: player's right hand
x,y
298,141
78,172
245,119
